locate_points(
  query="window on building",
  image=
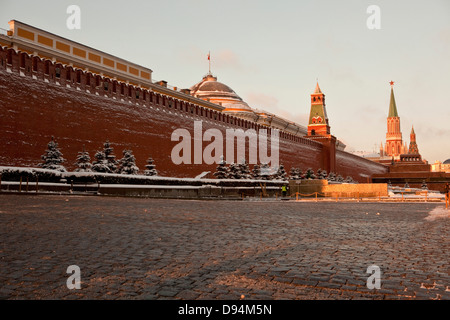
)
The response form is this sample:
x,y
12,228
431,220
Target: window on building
x,y
105,85
57,72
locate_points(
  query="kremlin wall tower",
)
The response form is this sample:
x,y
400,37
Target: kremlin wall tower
x,y
52,86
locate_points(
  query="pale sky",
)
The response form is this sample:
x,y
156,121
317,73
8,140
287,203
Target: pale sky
x,y
272,52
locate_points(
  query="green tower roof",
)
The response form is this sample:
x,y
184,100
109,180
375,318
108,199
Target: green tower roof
x,y
392,106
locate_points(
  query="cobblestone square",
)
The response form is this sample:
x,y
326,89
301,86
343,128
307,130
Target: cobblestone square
x,y
133,248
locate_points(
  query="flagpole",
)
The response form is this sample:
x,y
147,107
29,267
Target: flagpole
x,y
209,59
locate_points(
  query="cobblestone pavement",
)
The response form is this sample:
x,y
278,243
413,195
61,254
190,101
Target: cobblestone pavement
x,y
130,248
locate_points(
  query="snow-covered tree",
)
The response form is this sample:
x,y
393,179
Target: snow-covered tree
x,y
221,169
281,173
310,174
406,184
349,179
244,170
83,161
234,171
293,174
256,172
127,165
339,178
321,174
105,160
53,157
331,176
110,157
101,163
150,168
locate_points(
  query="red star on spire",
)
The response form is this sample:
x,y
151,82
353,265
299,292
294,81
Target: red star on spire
x,y
391,83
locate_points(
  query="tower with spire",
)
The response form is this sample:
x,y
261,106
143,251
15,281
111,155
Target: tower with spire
x,y
394,142
319,129
318,120
413,148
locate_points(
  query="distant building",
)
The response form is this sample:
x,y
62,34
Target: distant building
x,y
439,166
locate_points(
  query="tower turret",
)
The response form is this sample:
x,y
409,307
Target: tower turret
x,y
394,142
413,148
318,119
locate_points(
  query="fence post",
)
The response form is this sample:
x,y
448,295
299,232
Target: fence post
x,y
37,184
27,184
446,200
20,184
296,196
316,196
402,196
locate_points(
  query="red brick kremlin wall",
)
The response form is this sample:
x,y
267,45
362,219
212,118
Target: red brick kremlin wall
x,y
77,110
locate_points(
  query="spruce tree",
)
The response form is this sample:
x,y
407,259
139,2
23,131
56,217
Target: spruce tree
x,y
53,158
111,161
295,174
244,170
331,176
321,174
339,178
234,171
310,174
349,179
127,165
101,163
281,173
256,172
221,169
150,168
83,161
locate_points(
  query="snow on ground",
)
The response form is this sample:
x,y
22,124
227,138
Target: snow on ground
x,y
438,213
410,193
